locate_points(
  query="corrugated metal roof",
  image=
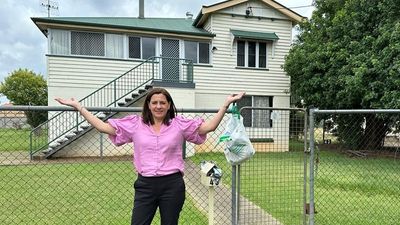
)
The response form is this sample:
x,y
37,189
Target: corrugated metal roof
x,y
254,35
168,25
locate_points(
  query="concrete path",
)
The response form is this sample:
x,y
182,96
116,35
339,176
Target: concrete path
x,y
250,214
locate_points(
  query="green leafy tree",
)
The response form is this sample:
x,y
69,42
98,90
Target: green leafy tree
x,y
24,87
347,56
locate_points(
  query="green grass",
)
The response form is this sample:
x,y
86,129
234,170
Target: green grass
x,y
357,190
19,139
79,193
14,139
347,190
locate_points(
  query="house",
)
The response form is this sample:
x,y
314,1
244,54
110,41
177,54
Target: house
x,y
228,47
12,119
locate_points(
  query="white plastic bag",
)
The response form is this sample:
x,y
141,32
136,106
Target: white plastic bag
x,y
238,146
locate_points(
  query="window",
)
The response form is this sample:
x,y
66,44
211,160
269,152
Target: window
x,y
191,51
134,47
262,56
251,54
86,43
204,53
148,47
198,52
240,53
114,45
59,42
256,117
142,48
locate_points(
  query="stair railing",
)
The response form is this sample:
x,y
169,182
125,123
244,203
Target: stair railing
x,y
59,125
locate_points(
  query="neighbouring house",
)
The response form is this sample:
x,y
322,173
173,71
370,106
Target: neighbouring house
x,y
12,119
230,46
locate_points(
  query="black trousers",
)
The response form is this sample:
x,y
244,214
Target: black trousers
x,y
166,193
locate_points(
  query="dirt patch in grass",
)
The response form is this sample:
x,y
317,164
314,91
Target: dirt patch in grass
x,y
385,152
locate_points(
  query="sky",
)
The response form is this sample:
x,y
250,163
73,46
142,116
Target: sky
x,y
22,45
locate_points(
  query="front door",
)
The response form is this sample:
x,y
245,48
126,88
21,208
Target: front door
x,y
170,60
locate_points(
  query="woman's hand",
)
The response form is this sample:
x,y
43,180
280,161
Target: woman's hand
x,y
216,120
93,120
233,98
69,102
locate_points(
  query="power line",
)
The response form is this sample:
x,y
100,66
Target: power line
x,y
297,7
293,7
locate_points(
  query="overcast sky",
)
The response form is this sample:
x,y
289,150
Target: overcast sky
x,y
22,45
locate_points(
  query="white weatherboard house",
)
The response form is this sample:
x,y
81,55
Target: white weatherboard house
x,y
230,46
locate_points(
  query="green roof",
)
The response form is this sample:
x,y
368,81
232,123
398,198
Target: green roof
x,y
271,36
164,25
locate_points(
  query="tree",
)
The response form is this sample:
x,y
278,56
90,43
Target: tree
x,y
347,56
24,87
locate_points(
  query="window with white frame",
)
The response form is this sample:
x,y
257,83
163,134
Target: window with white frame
x,y
114,46
141,47
198,52
256,117
63,42
252,54
59,42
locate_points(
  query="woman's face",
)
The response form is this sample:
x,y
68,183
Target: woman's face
x,y
159,106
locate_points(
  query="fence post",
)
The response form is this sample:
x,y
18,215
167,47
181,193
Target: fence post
x,y
235,189
305,168
101,145
115,93
30,146
311,116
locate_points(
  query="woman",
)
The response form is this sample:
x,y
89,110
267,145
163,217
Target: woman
x,y
157,136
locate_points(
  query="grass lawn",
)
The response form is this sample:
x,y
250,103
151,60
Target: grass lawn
x,y
78,193
357,190
351,191
14,140
347,190
18,139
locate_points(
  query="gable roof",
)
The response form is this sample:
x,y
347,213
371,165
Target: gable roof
x,y
207,10
181,26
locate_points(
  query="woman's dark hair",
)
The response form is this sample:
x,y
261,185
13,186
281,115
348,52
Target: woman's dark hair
x,y
146,113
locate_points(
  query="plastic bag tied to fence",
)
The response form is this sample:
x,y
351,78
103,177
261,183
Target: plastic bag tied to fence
x,y
238,147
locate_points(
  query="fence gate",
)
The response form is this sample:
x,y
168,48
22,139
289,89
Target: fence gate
x,y
270,188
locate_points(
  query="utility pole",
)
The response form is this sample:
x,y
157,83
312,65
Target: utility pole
x,y
49,5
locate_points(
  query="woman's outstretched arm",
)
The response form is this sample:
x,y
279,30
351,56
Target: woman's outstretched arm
x,y
211,125
93,120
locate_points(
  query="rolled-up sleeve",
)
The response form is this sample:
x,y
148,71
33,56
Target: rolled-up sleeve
x,y
124,129
190,129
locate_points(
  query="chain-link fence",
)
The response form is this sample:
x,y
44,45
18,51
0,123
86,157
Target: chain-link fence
x,y
353,179
355,175
87,180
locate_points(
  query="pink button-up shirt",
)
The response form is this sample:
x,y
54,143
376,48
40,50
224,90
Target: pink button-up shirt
x,y
157,154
